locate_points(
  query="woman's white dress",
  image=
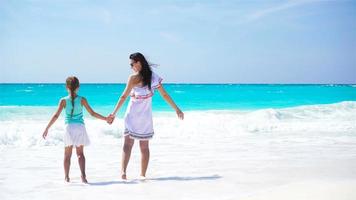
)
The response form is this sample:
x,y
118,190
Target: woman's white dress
x,y
138,116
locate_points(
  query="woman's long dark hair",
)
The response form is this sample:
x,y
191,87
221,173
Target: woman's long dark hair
x,y
146,72
72,83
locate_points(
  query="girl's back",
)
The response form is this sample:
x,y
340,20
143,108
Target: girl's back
x,y
77,115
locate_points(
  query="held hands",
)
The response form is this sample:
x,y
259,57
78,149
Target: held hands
x,y
110,119
180,114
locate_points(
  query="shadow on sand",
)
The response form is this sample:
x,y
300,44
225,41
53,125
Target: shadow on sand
x,y
169,178
104,183
186,178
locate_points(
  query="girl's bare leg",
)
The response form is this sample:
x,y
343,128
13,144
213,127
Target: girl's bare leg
x,y
66,162
81,160
145,156
126,153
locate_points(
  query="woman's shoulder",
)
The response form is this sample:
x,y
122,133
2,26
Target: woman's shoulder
x,y
135,76
156,80
135,79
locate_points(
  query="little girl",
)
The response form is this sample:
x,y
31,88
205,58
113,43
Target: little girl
x,y
75,134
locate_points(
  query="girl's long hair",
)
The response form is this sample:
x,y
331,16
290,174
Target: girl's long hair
x,y
72,84
146,72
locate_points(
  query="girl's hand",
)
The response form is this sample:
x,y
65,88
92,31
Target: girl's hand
x,y
180,114
44,135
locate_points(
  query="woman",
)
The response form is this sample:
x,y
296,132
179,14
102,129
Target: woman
x,y
138,117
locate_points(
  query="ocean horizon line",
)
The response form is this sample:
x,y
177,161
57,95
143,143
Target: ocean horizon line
x,y
176,83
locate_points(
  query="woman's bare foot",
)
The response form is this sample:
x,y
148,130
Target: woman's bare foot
x,y
67,179
123,176
84,179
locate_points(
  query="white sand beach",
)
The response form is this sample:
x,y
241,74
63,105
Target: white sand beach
x,y
326,190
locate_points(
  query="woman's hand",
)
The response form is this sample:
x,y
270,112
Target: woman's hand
x,y
169,100
180,114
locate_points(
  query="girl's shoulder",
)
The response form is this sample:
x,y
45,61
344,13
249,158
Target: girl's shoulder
x,y
81,98
65,98
62,101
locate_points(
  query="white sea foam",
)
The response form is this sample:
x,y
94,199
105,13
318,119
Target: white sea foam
x,y
23,126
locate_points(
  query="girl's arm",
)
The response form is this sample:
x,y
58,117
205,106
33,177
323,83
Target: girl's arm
x,y
170,101
61,105
130,84
91,111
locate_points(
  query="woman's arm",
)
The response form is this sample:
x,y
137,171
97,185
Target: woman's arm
x,y
170,101
130,84
61,105
91,111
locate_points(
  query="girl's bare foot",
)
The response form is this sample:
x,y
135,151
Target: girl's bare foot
x,y
67,179
123,176
84,179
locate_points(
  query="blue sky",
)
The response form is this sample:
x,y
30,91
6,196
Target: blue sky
x,y
304,41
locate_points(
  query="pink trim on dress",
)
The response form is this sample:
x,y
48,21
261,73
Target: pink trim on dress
x,y
142,96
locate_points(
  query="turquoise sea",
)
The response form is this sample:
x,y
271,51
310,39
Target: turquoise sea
x,y
187,96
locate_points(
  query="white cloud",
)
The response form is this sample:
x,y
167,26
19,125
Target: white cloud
x,y
281,7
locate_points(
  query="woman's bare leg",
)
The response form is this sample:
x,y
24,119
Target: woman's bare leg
x,y
126,153
81,161
66,162
145,156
